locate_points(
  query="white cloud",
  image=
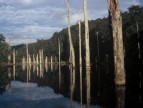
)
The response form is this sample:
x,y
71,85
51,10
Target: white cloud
x,y
34,19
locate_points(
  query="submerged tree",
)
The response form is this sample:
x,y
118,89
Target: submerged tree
x,y
72,52
87,54
80,59
116,24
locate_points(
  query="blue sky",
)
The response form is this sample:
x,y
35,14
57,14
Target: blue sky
x,y
24,21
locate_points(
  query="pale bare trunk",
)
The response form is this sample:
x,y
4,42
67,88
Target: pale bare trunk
x,y
23,63
14,64
51,63
37,59
72,84
72,52
9,55
13,56
33,59
116,23
87,54
27,54
80,60
46,60
59,63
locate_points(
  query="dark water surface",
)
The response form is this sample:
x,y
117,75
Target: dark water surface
x,y
49,87
29,95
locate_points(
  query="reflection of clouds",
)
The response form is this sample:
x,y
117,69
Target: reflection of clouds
x,y
28,95
30,91
17,84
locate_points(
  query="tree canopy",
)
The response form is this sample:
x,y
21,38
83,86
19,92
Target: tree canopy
x,y
3,49
2,38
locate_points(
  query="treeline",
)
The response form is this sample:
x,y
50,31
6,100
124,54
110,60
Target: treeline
x,y
98,44
3,49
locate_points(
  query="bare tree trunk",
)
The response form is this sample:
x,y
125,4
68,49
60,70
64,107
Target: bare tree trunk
x,y
46,60
14,64
59,63
27,54
33,59
72,52
87,54
13,56
116,23
98,63
139,46
37,60
9,55
139,55
80,60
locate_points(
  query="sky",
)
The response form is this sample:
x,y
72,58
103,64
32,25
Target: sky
x,y
25,21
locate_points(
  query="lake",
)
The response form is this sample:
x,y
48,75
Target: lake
x,y
50,87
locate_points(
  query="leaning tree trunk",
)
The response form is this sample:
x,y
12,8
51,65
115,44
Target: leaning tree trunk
x,y
72,52
116,24
87,54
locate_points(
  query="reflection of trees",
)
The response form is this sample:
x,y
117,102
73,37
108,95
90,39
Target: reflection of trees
x,y
3,80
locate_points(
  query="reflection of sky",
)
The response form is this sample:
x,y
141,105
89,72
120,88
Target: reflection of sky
x,y
28,95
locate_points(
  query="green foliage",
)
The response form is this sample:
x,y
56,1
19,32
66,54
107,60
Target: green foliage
x,y
2,38
130,18
50,46
3,49
3,79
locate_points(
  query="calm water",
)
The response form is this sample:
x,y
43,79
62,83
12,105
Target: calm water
x,y
49,87
29,95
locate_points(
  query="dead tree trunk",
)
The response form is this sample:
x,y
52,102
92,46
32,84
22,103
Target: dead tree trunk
x,y
87,54
27,54
9,55
139,56
72,52
13,56
80,60
116,24
59,63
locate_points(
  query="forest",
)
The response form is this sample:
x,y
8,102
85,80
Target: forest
x,y
101,52
103,40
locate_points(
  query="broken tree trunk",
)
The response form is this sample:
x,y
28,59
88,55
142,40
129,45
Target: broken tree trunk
x,y
116,24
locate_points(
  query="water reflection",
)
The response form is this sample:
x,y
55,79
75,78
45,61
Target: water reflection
x,y
64,80
59,76
34,97
72,83
14,72
120,96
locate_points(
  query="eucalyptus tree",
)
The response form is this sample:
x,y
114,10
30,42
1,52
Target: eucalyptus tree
x,y
116,25
87,53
